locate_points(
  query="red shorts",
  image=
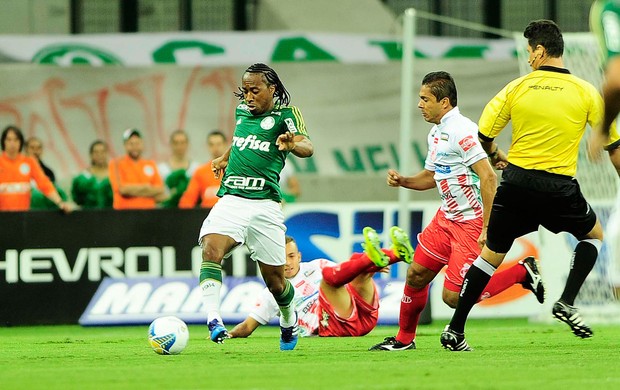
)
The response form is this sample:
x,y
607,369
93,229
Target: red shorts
x,y
362,320
452,243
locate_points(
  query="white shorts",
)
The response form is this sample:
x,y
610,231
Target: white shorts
x,y
257,223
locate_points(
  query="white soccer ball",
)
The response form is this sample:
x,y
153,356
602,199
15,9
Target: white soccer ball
x,y
168,335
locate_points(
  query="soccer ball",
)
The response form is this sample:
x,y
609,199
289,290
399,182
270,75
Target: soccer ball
x,y
168,335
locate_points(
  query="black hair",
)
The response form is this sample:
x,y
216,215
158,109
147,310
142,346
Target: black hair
x,y
441,85
216,133
547,34
17,132
271,78
91,148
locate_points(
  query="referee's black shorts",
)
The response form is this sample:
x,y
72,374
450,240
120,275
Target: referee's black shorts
x,y
528,198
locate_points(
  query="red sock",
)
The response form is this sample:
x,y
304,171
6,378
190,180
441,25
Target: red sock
x,y
411,305
503,280
390,253
346,271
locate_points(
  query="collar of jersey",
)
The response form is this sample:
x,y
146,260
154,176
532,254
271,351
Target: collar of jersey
x,y
554,69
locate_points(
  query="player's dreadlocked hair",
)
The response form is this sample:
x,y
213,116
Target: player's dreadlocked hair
x,y
281,94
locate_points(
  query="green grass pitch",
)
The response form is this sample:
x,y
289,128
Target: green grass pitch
x,y
509,354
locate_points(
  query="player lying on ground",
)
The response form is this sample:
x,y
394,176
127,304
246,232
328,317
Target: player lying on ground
x,y
333,299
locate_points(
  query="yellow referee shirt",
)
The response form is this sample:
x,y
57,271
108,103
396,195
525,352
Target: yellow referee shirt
x,y
549,109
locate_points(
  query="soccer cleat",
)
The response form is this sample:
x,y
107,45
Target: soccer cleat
x,y
570,315
454,341
372,248
391,344
218,332
401,244
288,336
533,281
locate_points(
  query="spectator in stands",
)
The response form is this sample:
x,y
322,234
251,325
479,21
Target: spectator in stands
x,y
38,201
91,189
16,173
136,183
34,148
177,170
204,185
289,184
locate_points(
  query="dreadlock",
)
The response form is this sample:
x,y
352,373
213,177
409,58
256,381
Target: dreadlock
x,y
281,94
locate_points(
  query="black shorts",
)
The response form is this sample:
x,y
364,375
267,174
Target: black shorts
x,y
527,199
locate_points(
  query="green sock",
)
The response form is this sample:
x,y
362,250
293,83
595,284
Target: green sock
x,y
211,284
285,300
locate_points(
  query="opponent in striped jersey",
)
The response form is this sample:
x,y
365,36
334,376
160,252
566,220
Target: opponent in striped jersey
x,y
332,300
458,166
249,211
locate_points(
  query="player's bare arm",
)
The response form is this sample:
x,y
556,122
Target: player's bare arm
x,y
498,157
424,180
488,187
245,328
141,190
299,145
219,164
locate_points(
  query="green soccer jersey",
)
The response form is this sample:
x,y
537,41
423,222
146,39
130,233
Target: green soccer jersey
x,y
255,163
605,23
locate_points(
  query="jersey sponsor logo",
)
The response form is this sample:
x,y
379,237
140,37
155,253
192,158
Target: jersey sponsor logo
x,y
290,125
24,169
246,183
467,143
148,170
444,136
239,121
546,88
14,188
267,123
444,169
251,142
447,195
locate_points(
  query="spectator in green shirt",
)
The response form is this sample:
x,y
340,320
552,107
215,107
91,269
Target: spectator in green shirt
x,y
91,188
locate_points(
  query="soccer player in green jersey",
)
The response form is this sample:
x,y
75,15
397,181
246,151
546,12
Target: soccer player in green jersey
x,y
605,24
249,211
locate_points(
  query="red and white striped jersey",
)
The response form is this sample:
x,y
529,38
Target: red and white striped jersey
x,y
453,147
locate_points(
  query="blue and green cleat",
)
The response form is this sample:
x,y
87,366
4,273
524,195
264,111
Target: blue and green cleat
x,y
218,332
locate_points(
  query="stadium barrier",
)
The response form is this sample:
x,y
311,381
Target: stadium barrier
x,y
52,264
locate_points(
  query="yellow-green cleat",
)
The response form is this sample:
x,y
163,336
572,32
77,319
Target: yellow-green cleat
x,y
372,248
401,244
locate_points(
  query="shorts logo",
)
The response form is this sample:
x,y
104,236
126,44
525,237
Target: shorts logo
x,y
148,170
464,270
267,123
24,169
467,143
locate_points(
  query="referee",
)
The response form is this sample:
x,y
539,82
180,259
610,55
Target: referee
x,y
549,109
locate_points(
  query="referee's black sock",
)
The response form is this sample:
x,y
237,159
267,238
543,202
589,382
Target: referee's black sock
x,y
581,264
474,283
